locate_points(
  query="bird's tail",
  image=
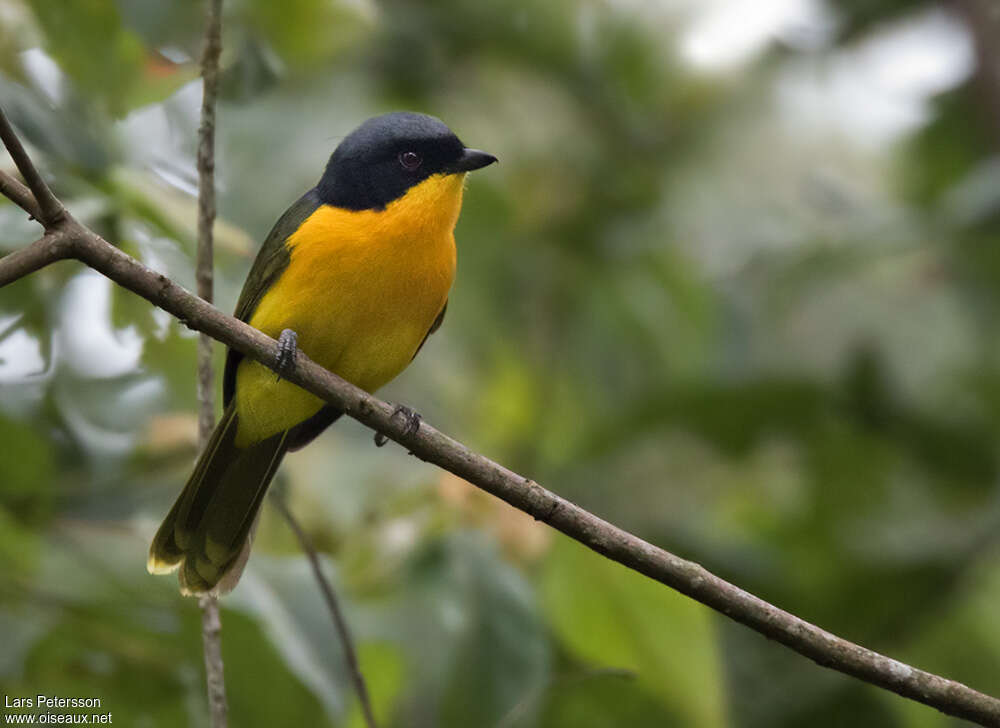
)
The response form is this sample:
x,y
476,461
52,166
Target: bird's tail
x,y
207,533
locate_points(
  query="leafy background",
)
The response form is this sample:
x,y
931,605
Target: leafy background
x,y
733,286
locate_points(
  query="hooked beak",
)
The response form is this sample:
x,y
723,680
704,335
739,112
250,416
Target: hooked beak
x,y
472,159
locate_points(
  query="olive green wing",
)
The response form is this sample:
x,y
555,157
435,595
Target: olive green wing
x,y
434,327
271,262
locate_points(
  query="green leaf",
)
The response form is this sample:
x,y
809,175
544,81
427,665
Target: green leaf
x,y
75,138
128,638
110,70
501,654
597,699
173,357
943,153
25,478
611,617
136,673
263,688
26,494
306,32
282,594
128,310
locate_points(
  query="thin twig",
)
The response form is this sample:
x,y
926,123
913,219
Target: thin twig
x,y
339,622
215,679
206,210
50,210
427,443
211,623
20,195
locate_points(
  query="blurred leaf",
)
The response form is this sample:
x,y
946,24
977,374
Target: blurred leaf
x,y
733,416
131,311
16,33
861,16
173,358
25,480
109,635
263,687
172,213
20,630
18,229
599,699
74,138
307,32
111,69
612,617
26,495
19,543
134,672
500,652
282,593
947,149
161,77
165,24
255,70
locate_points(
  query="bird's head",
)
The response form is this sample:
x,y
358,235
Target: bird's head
x,y
385,157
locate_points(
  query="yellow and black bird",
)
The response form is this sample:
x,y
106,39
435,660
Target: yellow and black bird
x,y
356,274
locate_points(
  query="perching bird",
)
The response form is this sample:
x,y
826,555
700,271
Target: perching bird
x,y
356,274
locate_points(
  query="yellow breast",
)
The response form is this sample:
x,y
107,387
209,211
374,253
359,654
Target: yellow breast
x,y
361,290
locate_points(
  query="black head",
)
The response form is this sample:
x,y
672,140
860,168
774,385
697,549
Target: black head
x,y
385,156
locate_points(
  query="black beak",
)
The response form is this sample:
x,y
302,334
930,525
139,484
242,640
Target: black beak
x,y
472,159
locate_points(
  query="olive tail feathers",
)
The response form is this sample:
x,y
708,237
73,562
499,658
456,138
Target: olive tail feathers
x,y
208,531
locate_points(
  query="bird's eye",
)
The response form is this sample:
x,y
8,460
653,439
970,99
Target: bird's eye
x,y
410,160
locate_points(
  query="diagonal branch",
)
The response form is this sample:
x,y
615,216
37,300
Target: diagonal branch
x,y
427,443
51,210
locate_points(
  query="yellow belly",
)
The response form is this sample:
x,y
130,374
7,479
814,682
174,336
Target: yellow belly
x,y
361,290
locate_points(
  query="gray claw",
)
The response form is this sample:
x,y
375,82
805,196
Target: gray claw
x,y
287,347
410,418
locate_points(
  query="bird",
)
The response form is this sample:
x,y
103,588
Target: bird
x,y
356,275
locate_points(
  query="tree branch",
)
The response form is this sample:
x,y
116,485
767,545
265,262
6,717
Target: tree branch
x,y
429,444
211,622
339,622
206,211
19,195
50,210
215,676
47,249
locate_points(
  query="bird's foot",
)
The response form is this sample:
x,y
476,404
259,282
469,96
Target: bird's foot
x,y
287,347
411,420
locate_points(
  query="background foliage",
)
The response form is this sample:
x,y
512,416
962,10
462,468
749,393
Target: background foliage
x,y
738,296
